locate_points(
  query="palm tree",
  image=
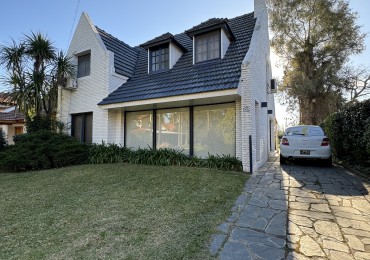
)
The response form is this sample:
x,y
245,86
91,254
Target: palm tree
x,y
34,71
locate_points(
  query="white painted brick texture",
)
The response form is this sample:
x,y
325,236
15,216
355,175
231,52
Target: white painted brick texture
x,y
253,88
93,88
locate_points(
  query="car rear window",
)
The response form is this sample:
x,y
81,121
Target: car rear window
x,y
305,131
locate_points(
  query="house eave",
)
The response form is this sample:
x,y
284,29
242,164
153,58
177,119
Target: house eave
x,y
214,97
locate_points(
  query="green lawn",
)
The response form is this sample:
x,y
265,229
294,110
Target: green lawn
x,y
114,211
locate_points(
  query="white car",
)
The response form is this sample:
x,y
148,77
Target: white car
x,y
305,142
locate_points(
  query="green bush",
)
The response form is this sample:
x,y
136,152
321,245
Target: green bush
x,y
43,150
349,133
2,139
112,153
367,140
44,123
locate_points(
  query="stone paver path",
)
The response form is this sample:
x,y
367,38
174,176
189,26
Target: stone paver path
x,y
298,212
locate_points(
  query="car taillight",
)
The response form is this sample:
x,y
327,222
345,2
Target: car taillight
x,y
325,142
285,141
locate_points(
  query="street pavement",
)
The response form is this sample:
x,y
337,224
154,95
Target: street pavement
x,y
298,212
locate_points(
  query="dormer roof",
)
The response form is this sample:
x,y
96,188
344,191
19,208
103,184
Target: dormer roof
x,y
210,25
164,38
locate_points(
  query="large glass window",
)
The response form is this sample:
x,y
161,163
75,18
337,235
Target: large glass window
x,y
173,129
83,68
207,46
139,129
82,127
159,58
214,130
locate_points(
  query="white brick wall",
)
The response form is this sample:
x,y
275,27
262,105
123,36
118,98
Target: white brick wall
x,y
253,89
93,88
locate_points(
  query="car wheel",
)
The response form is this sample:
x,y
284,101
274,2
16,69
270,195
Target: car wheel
x,y
282,160
328,162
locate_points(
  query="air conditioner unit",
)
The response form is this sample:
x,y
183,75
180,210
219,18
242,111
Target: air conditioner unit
x,y
273,86
71,84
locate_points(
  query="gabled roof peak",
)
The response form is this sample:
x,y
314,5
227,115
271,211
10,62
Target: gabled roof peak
x,y
211,24
164,38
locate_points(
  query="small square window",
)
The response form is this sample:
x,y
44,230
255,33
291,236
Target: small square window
x,y
83,65
207,46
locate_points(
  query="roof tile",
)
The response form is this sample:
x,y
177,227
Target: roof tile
x,y
125,57
184,77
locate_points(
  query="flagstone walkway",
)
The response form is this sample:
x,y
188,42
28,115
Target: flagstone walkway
x,y
298,212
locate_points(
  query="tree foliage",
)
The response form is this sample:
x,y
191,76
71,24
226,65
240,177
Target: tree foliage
x,y
315,39
355,81
349,133
34,70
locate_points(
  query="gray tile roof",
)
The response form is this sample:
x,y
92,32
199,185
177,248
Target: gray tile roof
x,y
163,37
11,116
184,77
208,23
125,57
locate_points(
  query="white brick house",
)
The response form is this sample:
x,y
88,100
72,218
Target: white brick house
x,y
204,91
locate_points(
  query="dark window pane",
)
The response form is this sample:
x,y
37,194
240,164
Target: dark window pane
x,y
82,127
159,59
77,127
83,68
88,128
207,46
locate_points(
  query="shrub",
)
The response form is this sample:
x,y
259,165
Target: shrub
x,y
112,153
3,141
44,123
348,131
43,150
367,140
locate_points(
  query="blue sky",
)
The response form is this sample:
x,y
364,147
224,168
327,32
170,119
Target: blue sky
x,y
132,21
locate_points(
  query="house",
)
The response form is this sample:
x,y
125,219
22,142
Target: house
x,y
205,91
11,120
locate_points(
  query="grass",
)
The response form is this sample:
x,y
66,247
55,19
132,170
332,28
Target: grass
x,y
114,211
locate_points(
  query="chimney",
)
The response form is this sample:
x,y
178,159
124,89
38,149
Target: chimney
x,y
259,7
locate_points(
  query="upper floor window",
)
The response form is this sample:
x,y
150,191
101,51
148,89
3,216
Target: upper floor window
x,y
83,65
207,46
159,58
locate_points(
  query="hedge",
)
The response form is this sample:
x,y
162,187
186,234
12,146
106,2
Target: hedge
x,y
112,153
349,133
43,150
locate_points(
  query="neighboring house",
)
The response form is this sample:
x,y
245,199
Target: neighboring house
x,y
11,123
5,102
11,120
203,91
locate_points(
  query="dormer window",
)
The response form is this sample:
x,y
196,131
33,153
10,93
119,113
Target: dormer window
x,y
159,58
163,52
211,39
207,46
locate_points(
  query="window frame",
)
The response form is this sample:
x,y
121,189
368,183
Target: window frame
x,y
217,31
191,124
81,58
160,61
83,126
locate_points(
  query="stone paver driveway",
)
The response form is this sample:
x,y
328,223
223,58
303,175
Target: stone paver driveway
x,y
298,212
